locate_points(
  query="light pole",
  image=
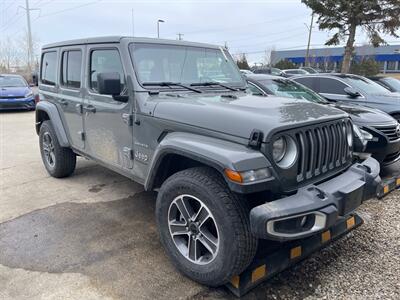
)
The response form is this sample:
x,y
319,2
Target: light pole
x,y
158,27
307,60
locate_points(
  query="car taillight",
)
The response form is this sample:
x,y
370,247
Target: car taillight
x,y
37,98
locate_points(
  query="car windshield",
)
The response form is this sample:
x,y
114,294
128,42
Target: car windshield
x,y
6,81
393,82
290,89
365,85
156,63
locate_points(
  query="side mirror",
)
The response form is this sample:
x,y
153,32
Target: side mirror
x,y
109,83
352,92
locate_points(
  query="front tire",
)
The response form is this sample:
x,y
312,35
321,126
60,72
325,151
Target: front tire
x,y
204,227
59,161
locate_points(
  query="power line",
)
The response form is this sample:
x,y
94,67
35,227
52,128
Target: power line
x,y
241,26
69,9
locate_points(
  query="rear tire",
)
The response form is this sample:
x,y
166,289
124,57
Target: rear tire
x,y
59,161
216,226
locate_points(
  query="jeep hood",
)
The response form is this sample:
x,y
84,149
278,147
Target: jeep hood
x,y
239,115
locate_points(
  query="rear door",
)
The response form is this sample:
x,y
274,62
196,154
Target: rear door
x,y
108,130
70,96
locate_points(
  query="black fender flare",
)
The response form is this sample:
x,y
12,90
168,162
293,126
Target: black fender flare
x,y
216,153
52,112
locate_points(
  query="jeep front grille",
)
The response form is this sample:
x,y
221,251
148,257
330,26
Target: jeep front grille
x,y
389,131
322,149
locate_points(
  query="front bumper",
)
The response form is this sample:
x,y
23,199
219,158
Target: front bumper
x,y
316,207
12,104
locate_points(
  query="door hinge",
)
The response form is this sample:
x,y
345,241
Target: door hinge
x,y
128,119
128,153
82,135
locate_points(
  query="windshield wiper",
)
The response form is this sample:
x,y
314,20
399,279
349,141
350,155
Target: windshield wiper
x,y
169,84
210,83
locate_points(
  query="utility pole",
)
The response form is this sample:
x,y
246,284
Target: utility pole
x,y
28,21
307,60
180,36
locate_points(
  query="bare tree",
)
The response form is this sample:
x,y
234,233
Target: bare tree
x,y
24,50
8,54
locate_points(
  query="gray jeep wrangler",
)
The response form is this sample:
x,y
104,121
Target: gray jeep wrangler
x,y
230,168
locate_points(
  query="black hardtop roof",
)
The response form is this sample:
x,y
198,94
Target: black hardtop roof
x,y
117,39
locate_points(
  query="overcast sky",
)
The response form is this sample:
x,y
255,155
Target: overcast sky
x,y
246,26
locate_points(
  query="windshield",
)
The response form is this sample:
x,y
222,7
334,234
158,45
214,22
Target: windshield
x,y
6,81
156,63
290,89
365,85
393,83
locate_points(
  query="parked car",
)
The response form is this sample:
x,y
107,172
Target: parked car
x,y
15,93
378,132
246,72
293,72
310,70
353,89
392,84
272,71
230,168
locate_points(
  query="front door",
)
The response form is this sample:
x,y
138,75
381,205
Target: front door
x,y
70,96
108,134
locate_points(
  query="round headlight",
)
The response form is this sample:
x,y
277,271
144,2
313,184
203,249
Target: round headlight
x,y
279,149
284,152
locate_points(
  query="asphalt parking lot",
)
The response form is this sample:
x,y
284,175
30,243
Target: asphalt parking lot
x,y
93,236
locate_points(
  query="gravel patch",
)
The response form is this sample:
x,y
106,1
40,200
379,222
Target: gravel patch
x,y
365,264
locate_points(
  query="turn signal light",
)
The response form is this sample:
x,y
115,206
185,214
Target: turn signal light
x,y
233,175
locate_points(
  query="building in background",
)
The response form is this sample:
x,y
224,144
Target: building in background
x,y
330,59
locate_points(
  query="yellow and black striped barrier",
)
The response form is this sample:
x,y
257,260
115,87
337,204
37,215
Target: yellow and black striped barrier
x,y
274,257
387,186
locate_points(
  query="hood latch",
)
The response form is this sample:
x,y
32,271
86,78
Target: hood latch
x,y
256,138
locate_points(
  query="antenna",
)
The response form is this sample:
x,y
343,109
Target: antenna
x,y
180,36
133,23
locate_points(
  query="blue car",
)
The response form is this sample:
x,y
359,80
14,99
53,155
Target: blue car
x,y
15,93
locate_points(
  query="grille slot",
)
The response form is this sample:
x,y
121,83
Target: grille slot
x,y
12,97
389,131
322,149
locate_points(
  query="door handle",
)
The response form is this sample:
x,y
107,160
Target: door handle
x,y
63,102
90,108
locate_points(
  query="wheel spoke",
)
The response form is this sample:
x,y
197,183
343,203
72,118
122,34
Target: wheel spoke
x,y
202,216
52,157
178,228
183,209
46,147
193,249
208,241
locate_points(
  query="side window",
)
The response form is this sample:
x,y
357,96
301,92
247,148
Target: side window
x,y
331,86
307,81
48,68
251,88
71,69
105,61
